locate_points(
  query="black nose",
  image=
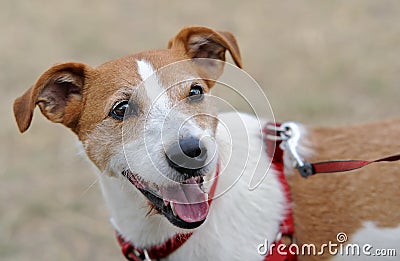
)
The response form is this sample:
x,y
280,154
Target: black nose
x,y
187,156
191,147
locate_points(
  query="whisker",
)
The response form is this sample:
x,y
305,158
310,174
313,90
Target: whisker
x,y
91,185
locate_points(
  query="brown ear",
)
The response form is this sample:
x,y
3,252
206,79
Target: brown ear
x,y
57,92
203,42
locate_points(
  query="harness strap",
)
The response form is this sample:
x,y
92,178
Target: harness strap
x,y
286,229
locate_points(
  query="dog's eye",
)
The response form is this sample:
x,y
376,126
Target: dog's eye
x,y
123,109
196,92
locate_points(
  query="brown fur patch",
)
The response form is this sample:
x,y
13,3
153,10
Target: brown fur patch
x,y
327,204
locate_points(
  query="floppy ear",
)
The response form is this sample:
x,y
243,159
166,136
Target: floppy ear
x,y
203,42
57,92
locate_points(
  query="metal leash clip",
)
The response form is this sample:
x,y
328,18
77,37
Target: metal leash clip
x,y
290,135
146,255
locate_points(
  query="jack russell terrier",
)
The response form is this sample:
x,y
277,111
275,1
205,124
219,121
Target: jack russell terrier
x,y
175,174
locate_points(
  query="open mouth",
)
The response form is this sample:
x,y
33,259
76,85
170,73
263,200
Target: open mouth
x,y
184,204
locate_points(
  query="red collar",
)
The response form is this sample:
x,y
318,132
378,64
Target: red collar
x,y
133,253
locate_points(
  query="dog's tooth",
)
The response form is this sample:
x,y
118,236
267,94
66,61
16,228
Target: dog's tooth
x,y
173,208
206,196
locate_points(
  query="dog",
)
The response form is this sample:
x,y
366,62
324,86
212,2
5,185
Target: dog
x,y
175,173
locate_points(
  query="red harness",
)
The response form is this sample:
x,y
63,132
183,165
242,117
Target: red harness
x,y
275,152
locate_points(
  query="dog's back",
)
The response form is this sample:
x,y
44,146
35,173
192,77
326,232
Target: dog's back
x,y
363,203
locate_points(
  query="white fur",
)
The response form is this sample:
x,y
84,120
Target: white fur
x,y
239,219
376,238
163,124
154,90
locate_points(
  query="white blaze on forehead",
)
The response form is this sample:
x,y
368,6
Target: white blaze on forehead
x,y
154,90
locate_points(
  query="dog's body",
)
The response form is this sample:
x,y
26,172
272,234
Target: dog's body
x,y
153,104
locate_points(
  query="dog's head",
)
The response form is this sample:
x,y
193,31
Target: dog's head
x,y
144,117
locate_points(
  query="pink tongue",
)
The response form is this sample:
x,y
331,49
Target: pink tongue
x,y
189,200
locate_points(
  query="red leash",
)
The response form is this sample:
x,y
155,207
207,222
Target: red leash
x,y
289,134
133,253
346,165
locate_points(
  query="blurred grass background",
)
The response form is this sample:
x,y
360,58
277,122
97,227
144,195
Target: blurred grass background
x,y
320,62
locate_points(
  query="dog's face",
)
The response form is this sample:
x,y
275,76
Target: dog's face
x,y
145,118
